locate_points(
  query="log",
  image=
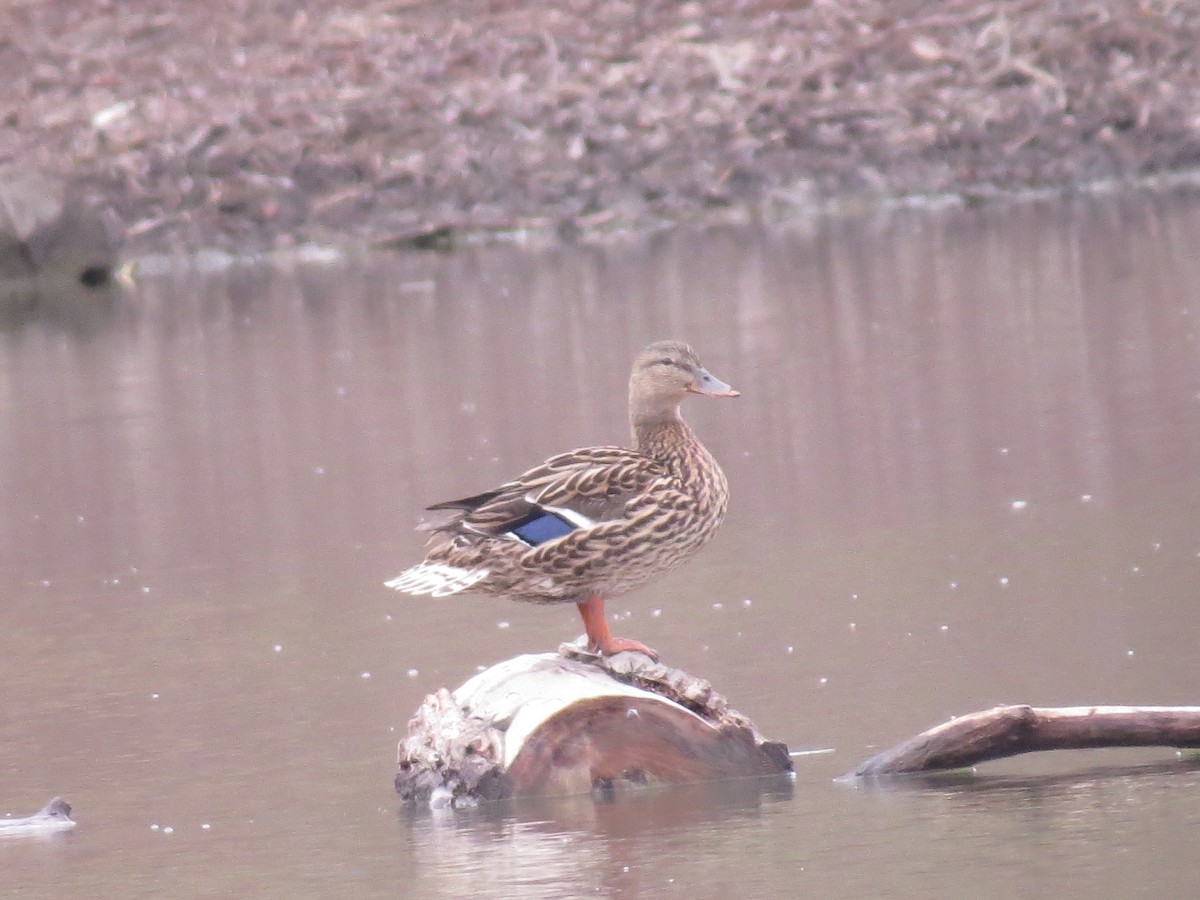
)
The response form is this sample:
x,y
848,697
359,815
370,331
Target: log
x,y
54,816
1012,730
49,231
571,722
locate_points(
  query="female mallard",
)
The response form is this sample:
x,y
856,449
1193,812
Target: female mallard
x,y
594,522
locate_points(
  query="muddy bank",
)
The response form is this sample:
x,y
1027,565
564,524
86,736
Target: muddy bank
x,y
254,124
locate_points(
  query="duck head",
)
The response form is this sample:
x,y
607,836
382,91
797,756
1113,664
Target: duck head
x,y
663,374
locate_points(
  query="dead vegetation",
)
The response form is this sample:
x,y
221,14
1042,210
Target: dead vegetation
x,y
1011,730
254,124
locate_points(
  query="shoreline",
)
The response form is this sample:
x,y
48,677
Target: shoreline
x,y
159,261
249,129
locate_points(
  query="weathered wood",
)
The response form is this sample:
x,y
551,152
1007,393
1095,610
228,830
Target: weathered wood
x,y
49,231
54,816
1011,730
571,722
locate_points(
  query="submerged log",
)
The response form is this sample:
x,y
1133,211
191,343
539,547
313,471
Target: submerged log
x,y
571,722
1011,730
54,816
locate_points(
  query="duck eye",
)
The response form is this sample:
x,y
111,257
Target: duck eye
x,y
666,362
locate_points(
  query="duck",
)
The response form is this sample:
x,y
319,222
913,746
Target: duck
x,y
593,523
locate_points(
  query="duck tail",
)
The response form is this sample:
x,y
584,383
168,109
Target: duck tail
x,y
436,579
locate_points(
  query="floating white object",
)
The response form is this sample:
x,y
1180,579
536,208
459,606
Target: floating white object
x,y
54,816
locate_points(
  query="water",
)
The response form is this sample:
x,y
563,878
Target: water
x,y
964,472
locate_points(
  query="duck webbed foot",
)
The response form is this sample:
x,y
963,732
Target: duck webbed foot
x,y
600,639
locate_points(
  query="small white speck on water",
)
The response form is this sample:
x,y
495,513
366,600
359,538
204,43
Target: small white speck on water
x,y
366,674
747,602
413,673
46,581
502,624
467,406
1003,580
168,830
1020,504
954,585
854,596
1157,545
853,625
1135,569
1129,653
278,648
319,470
791,649
391,729
655,613
153,827
944,628
624,868
387,617
340,391
145,589
154,696
823,680
477,669
1085,498
205,826
1004,451
718,606
80,519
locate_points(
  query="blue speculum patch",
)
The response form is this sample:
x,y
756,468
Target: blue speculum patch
x,y
541,528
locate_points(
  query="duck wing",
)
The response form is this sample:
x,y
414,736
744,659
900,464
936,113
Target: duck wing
x,y
567,492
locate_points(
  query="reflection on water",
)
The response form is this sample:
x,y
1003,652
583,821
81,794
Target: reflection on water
x,y
963,472
578,845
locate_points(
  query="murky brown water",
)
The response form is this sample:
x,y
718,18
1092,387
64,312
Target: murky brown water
x,y
964,472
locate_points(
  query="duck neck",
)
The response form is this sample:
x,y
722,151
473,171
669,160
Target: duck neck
x,y
666,437
672,443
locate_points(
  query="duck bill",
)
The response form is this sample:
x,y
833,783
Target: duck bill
x,y
709,385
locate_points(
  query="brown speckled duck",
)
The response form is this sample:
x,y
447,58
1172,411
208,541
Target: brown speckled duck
x,y
595,522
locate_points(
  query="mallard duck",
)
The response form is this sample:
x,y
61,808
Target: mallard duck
x,y
589,524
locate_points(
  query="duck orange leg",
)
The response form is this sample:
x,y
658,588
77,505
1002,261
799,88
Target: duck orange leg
x,y
600,639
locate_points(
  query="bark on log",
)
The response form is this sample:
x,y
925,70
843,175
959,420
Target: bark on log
x,y
1011,730
572,722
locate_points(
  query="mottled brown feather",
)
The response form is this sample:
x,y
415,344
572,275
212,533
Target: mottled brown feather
x,y
652,506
